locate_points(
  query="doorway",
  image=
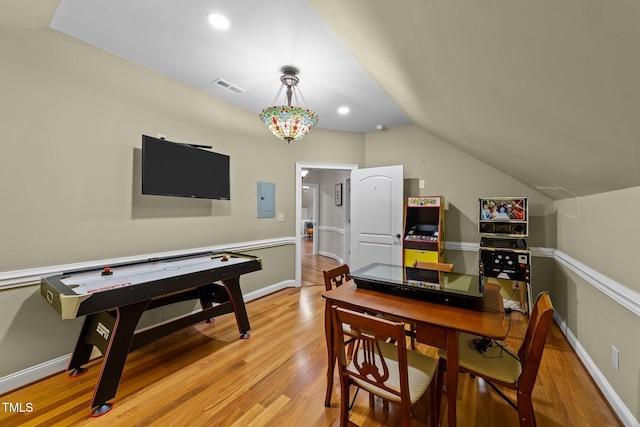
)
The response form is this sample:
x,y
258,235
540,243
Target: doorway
x,y
318,220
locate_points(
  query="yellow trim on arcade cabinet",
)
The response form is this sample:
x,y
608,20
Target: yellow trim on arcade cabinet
x,y
413,255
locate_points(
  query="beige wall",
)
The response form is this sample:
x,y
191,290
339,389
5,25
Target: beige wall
x,y
602,232
597,233
72,117
459,177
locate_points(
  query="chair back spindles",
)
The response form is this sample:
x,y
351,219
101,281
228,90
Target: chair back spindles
x,y
380,367
336,276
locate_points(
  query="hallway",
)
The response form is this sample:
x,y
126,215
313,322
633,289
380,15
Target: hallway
x,y
313,265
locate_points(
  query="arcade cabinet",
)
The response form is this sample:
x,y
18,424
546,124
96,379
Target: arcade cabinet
x,y
504,253
423,230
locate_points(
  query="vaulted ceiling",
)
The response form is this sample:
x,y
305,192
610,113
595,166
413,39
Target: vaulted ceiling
x,y
546,91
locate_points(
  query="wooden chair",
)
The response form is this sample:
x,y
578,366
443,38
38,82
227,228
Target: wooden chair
x,y
500,365
439,266
336,276
393,372
333,278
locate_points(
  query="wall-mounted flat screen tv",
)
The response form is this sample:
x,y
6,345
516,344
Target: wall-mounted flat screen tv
x,y
183,170
503,216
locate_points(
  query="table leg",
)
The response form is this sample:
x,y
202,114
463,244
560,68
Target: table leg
x,y
205,303
116,355
82,352
331,357
452,375
235,293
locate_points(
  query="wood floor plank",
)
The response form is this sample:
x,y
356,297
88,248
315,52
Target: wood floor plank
x,y
205,376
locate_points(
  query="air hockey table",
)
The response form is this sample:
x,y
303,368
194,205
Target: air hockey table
x,y
113,299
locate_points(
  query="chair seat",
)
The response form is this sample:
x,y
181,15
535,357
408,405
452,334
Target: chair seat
x,y
498,363
421,371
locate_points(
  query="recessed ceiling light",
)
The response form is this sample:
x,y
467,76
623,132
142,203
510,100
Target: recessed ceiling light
x,y
219,22
343,110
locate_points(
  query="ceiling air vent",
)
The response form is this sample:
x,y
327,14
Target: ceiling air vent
x,y
229,86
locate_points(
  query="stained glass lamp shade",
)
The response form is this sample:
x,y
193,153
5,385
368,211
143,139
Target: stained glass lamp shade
x,y
289,122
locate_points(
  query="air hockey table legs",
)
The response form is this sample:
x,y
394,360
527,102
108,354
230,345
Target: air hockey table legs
x,y
235,294
112,334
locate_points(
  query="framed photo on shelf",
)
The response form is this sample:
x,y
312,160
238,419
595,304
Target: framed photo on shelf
x,y
338,194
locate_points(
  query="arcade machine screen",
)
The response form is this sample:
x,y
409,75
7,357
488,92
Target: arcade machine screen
x,y
506,216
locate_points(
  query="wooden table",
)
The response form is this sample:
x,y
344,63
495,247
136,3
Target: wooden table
x,y
436,325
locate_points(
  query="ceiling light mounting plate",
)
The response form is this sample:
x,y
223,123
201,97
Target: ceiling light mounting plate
x,y
289,73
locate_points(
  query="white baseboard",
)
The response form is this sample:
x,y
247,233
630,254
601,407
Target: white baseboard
x,y
33,374
332,256
610,394
269,290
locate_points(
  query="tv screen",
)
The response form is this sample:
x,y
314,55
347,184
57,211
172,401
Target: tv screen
x,y
183,170
503,216
503,209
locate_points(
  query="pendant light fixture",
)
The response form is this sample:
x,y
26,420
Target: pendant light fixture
x,y
289,122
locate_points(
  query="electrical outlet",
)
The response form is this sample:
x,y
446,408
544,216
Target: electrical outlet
x,y
515,285
615,357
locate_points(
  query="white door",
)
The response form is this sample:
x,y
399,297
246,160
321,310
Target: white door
x,y
376,216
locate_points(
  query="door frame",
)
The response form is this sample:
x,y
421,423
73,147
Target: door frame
x,y
315,194
298,219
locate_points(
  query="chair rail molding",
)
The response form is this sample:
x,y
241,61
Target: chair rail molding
x,y
626,297
32,276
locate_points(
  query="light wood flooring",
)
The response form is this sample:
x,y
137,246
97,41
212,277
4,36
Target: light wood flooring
x,y
205,376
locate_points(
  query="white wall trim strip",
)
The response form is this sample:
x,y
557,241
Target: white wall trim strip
x,y
19,278
615,290
624,296
619,293
331,229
